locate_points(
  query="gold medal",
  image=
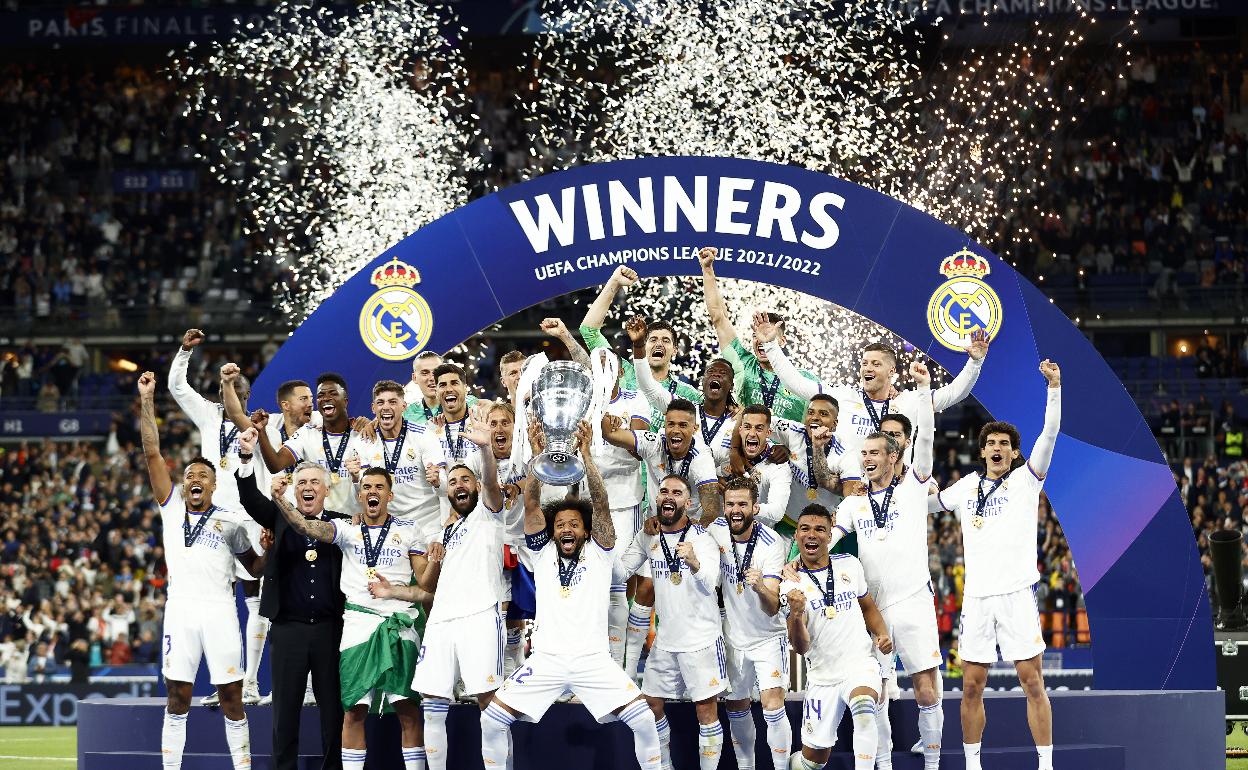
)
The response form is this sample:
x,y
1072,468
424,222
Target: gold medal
x,y
977,521
565,591
829,612
310,554
675,578
812,494
371,574
225,462
334,478
740,588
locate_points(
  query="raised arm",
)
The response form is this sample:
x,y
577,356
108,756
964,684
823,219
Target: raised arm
x,y
199,409
602,529
616,433
313,528
157,471
825,477
534,519
1042,452
715,307
479,434
254,502
556,328
960,387
596,315
925,424
799,635
275,458
229,397
790,376
656,395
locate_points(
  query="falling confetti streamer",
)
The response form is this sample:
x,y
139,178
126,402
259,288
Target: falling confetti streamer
x,y
361,136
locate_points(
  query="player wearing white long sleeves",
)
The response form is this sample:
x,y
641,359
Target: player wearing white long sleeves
x,y
763,462
862,406
688,651
891,522
997,509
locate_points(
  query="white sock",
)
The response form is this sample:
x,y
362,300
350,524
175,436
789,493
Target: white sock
x,y
495,728
799,762
617,621
435,711
353,759
741,727
971,751
414,758
929,732
514,651
664,731
710,745
779,737
238,738
640,719
172,740
884,745
1046,757
866,735
635,633
257,632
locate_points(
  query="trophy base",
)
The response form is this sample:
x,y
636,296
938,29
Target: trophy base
x,y
557,468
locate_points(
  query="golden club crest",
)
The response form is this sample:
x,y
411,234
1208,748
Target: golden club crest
x,y
963,304
395,323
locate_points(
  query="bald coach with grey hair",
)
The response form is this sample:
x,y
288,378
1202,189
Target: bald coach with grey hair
x,y
302,599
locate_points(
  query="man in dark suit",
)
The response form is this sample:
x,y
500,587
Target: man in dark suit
x,y
302,600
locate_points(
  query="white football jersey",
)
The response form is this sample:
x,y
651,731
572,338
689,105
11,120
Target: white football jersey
x,y
854,422
402,539
896,566
218,437
688,611
792,435
309,443
204,571
747,625
621,471
774,483
472,570
1001,552
575,624
839,644
696,467
447,447
719,430
414,497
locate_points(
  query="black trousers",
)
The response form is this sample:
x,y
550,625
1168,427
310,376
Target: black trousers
x,y
295,649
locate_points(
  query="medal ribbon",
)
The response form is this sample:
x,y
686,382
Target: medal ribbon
x,y
371,555
769,391
671,385
744,564
334,460
565,575
811,484
876,418
456,449
880,512
428,411
829,588
281,431
757,460
673,563
684,464
708,434
226,440
983,498
449,531
189,535
392,465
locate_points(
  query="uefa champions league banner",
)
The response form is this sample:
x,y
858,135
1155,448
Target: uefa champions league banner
x,y
787,226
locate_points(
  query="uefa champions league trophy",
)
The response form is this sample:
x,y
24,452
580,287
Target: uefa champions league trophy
x,y
561,397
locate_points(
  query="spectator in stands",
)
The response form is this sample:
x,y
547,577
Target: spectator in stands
x,y
120,654
79,659
40,665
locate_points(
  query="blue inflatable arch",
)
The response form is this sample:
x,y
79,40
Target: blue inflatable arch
x,y
782,225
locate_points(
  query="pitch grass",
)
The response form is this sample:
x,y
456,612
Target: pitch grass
x,y
56,748
38,748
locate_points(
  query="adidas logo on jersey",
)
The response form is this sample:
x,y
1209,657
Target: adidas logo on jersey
x,y
776,674
714,682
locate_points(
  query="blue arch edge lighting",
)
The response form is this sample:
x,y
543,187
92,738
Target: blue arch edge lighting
x,y
1109,483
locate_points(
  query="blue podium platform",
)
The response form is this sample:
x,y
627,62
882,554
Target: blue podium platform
x,y
1110,730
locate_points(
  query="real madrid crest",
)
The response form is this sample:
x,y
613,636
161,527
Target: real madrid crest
x,y
964,303
395,323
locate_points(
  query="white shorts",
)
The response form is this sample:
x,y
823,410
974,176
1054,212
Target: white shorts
x,y
766,665
1009,621
627,522
911,625
202,630
825,704
389,697
253,534
701,673
468,648
596,679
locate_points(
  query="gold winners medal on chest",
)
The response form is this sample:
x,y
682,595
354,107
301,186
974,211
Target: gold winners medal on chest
x,y
977,521
225,462
881,534
565,591
371,574
811,494
334,478
675,578
829,612
310,554
740,588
